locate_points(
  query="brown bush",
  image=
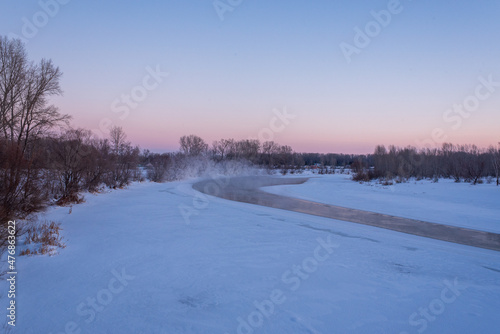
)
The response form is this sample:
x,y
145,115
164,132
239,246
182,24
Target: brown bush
x,y
46,237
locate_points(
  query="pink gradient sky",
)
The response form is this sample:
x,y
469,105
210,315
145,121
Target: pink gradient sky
x,y
226,77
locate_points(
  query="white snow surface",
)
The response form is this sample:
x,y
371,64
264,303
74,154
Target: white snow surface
x,y
445,202
213,271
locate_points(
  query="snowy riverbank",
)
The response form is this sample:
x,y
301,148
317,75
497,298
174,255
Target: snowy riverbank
x,y
135,264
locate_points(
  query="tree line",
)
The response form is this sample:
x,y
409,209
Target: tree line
x,y
462,163
221,157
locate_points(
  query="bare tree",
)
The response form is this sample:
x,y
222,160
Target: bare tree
x,y
13,68
72,158
380,160
495,161
123,159
269,151
25,115
285,158
474,163
193,145
118,139
24,90
248,149
221,148
159,164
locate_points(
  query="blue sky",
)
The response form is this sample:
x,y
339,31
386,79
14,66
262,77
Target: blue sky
x,y
227,76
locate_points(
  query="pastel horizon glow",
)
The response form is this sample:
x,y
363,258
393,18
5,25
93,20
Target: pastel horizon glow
x,y
428,73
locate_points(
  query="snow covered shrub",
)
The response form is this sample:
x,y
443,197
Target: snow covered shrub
x,y
43,239
401,179
361,176
74,198
138,175
158,167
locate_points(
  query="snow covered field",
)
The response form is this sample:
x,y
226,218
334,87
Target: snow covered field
x,y
161,258
446,202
